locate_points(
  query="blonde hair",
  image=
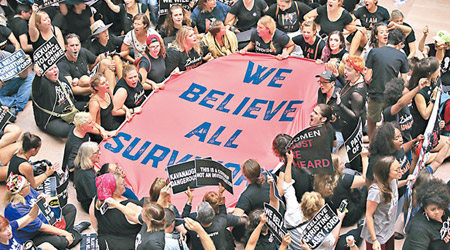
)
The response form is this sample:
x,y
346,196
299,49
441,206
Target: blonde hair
x,y
396,14
81,118
180,41
83,158
39,17
269,23
311,24
127,68
13,198
311,203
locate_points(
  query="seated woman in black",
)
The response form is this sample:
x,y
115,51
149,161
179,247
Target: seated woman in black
x,y
186,52
245,14
20,165
101,105
310,43
152,66
335,48
50,101
288,15
40,29
128,95
267,39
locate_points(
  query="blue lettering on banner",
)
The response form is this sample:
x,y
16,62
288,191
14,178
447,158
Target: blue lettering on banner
x,y
202,131
252,108
159,153
256,78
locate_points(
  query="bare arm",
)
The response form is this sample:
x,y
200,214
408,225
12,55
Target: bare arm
x,y
230,19
125,53
311,15
368,75
254,237
192,225
59,37
422,46
119,98
63,9
27,171
412,49
250,46
406,99
112,6
131,212
358,181
14,41
441,156
370,209
32,30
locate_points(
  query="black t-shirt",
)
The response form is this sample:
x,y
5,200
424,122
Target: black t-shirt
x,y
445,64
150,240
18,26
265,242
304,182
157,68
419,125
409,39
310,51
386,63
216,231
290,19
183,61
279,41
247,19
135,96
404,166
80,67
327,26
114,44
341,191
254,197
79,23
403,118
73,143
339,55
5,32
368,20
425,233
84,182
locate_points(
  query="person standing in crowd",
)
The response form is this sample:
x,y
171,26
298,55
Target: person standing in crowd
x,y
127,11
328,91
220,41
86,164
289,15
20,162
267,39
128,95
40,29
206,12
152,67
244,15
310,43
19,26
186,52
383,64
80,11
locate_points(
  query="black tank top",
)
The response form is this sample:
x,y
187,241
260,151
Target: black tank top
x,y
106,119
14,164
41,40
114,222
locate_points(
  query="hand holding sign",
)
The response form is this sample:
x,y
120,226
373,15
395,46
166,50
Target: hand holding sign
x,y
189,194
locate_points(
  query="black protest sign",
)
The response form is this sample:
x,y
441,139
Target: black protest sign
x,y
47,211
312,149
353,144
275,188
48,54
320,226
211,173
89,242
274,222
182,176
13,65
164,5
61,190
4,118
48,187
46,3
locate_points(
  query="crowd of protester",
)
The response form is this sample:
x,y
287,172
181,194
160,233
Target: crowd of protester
x,y
119,52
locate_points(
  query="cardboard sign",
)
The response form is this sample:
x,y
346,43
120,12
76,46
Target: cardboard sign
x,y
275,222
48,187
46,3
62,193
4,118
89,242
48,54
199,173
47,211
164,5
353,144
275,188
312,150
211,173
13,65
320,226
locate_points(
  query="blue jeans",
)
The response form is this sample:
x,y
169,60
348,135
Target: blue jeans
x,y
153,9
16,92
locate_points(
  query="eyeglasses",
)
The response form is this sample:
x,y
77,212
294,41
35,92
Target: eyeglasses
x,y
155,47
323,83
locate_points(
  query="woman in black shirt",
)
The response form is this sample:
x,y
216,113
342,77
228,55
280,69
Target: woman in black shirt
x,y
40,29
152,66
175,19
310,43
247,13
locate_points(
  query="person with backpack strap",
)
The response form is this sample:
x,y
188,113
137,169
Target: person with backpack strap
x,y
288,14
151,65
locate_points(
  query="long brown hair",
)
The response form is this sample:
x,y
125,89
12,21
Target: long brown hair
x,y
252,170
168,23
325,183
381,175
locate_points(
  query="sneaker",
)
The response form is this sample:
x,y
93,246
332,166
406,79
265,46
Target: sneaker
x,y
80,227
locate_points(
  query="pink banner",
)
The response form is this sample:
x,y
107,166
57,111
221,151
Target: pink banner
x,y
229,109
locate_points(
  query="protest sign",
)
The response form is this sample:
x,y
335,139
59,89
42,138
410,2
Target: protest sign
x,y
275,188
46,3
13,65
61,190
320,226
312,150
48,54
181,176
164,5
211,173
89,242
4,118
48,187
230,108
275,222
353,144
47,211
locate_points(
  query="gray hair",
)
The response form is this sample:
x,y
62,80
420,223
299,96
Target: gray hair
x,y
205,213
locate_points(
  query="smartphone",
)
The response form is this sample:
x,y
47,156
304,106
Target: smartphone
x,y
104,207
343,206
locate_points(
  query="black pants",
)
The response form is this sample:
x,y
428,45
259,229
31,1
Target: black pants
x,y
60,242
57,127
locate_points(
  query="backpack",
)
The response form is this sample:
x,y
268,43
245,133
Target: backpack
x,y
139,59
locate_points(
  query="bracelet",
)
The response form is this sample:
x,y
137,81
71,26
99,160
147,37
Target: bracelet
x,y
352,245
374,240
